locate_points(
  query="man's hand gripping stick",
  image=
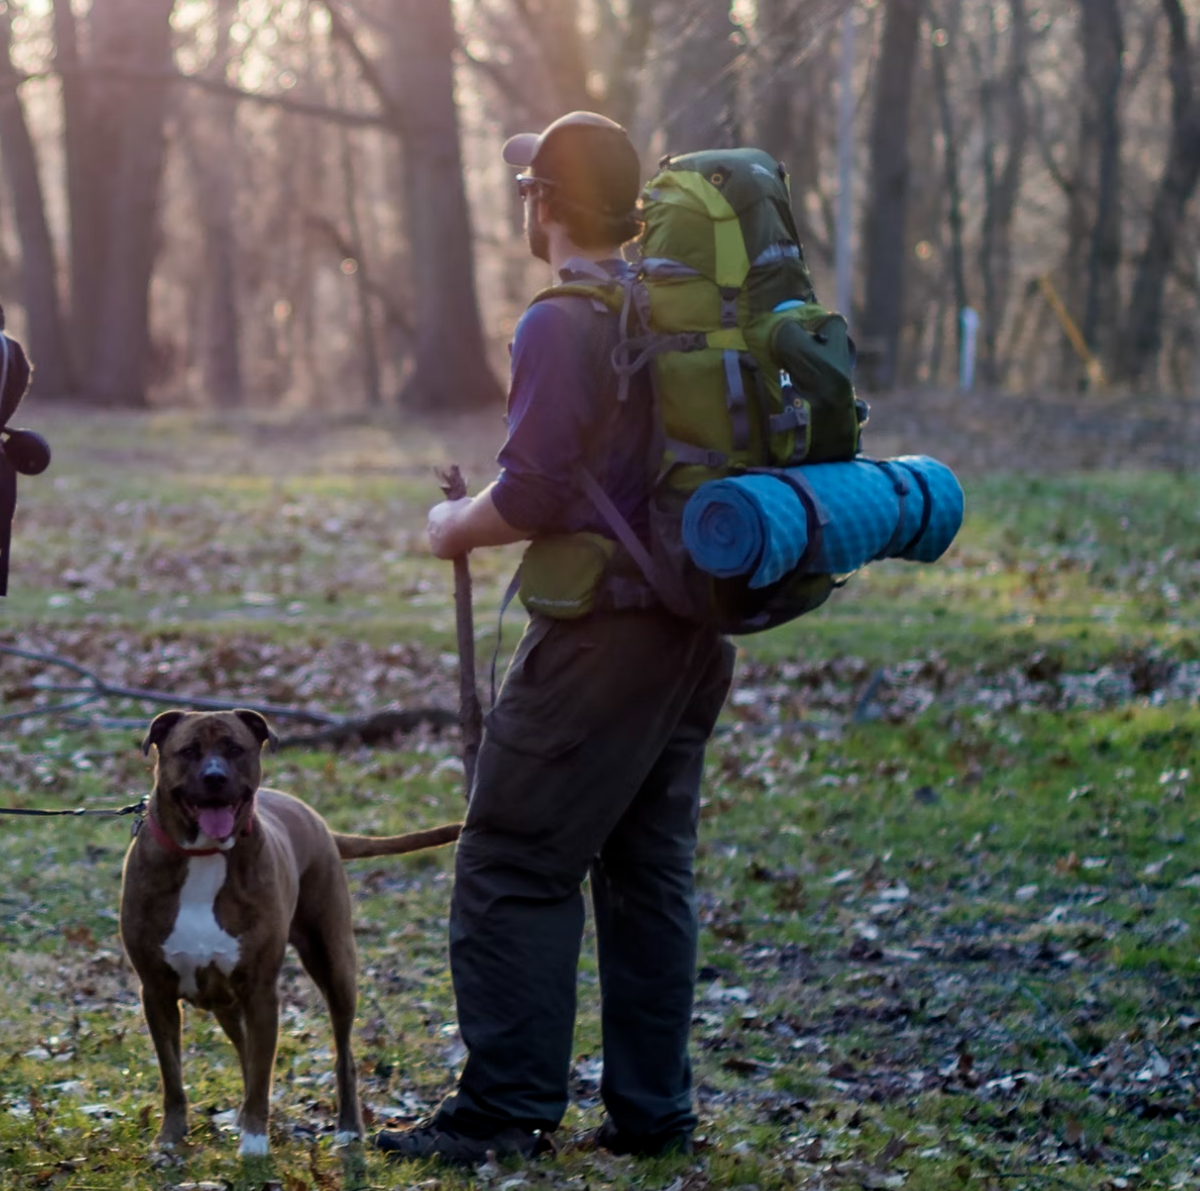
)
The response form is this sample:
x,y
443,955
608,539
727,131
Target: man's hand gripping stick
x,y
470,713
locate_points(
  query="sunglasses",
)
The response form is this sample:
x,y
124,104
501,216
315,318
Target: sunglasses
x,y
528,184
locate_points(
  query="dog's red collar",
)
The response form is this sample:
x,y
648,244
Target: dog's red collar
x,y
165,842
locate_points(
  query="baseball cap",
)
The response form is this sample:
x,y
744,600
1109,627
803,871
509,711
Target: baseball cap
x,y
589,159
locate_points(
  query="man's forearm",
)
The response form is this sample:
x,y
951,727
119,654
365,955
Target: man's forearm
x,y
455,527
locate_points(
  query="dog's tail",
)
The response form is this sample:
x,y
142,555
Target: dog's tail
x,y
356,847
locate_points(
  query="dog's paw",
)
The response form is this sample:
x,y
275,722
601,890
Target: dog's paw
x,y
345,1137
254,1145
164,1155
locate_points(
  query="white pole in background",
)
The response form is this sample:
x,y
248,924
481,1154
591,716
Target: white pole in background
x,y
966,366
842,259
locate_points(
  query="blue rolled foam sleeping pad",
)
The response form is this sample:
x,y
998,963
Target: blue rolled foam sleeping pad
x,y
757,525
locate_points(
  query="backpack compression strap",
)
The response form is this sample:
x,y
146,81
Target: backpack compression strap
x,y
664,585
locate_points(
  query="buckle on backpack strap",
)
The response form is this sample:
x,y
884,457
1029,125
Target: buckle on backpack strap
x,y
735,400
794,417
729,305
687,453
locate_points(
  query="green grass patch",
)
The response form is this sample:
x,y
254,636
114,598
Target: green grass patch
x,y
948,874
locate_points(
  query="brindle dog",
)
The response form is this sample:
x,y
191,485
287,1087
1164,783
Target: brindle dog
x,y
223,875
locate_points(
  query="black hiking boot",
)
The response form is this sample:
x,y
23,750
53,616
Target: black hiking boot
x,y
427,1139
650,1145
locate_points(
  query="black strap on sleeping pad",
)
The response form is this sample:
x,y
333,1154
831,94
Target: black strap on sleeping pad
x,y
926,513
901,489
815,512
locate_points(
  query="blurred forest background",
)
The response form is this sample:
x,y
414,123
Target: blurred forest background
x,y
301,204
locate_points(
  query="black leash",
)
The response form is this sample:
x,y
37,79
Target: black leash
x,y
134,808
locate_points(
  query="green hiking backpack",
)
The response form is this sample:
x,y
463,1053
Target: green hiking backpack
x,y
749,373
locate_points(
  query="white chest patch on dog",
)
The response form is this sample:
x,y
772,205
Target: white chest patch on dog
x,y
197,939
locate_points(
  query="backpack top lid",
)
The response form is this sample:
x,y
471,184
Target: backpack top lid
x,y
724,213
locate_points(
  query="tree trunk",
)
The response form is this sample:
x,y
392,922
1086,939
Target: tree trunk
x,y
86,149
953,187
780,34
557,27
624,89
1143,322
48,346
1001,192
372,385
136,32
794,106
886,243
699,99
223,348
451,369
1103,46
210,141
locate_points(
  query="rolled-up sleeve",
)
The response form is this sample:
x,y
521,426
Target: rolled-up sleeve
x,y
548,420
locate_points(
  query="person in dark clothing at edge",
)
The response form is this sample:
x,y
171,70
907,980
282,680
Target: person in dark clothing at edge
x,y
593,755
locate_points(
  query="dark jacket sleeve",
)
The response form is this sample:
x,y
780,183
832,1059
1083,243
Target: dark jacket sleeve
x,y
551,406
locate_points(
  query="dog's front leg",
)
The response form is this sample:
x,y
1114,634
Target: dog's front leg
x,y
166,1026
262,1036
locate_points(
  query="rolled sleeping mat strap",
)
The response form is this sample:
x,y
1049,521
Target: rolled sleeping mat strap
x,y
866,520
817,517
901,488
926,514
944,508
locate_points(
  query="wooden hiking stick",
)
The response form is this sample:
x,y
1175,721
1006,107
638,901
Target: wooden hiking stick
x,y
470,713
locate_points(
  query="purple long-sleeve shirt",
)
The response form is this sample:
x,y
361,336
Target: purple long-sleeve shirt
x,y
563,414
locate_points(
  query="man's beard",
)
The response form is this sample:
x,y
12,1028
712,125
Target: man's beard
x,y
535,234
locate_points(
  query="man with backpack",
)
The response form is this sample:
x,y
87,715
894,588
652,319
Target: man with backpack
x,y
593,755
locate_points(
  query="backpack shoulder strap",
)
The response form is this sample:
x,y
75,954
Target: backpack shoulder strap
x,y
605,297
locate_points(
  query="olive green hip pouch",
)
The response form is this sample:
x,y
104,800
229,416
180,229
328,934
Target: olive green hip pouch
x,y
562,574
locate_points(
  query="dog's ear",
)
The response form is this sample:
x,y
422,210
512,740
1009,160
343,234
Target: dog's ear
x,y
160,729
257,724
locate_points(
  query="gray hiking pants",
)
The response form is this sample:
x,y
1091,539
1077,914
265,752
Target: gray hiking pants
x,y
591,761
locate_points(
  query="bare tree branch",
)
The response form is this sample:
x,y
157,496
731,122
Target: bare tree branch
x,y
1057,172
96,689
342,34
374,728
346,247
149,75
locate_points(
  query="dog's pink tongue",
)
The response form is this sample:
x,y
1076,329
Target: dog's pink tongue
x,y
216,822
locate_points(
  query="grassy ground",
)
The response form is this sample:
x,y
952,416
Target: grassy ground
x,y
949,867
